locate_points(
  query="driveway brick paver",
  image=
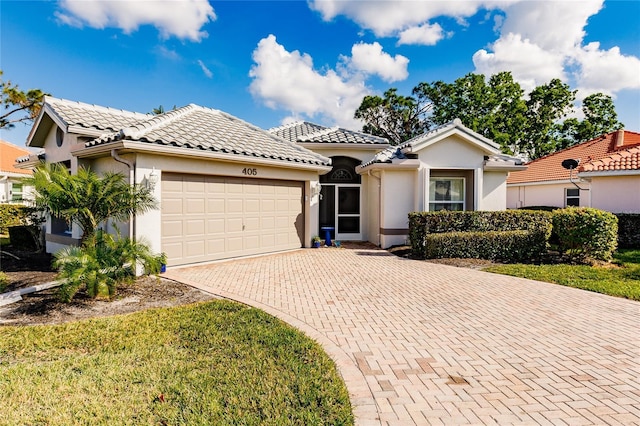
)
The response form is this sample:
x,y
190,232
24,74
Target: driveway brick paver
x,y
422,343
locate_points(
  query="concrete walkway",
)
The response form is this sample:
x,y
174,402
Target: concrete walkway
x,y
421,343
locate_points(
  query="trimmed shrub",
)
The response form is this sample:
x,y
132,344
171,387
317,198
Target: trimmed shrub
x,y
628,230
537,223
506,246
11,215
585,233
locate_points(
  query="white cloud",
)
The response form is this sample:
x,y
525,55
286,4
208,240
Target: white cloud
x,y
543,40
529,64
425,34
183,19
288,80
370,59
555,26
386,18
606,71
167,53
205,70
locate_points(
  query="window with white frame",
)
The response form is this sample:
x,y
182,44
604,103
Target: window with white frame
x,y
446,193
572,197
16,192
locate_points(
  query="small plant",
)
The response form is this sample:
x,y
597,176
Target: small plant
x,y
316,241
4,281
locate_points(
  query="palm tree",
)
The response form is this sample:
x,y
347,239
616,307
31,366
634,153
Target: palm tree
x,y
86,198
103,263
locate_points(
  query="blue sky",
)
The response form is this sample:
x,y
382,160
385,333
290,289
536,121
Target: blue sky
x,y
269,62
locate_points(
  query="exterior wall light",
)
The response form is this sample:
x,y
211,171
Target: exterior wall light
x,y
152,179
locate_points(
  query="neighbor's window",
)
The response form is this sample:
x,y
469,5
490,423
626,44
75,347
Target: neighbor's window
x,y
572,197
446,194
16,192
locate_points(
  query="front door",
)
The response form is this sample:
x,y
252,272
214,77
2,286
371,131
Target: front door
x,y
340,208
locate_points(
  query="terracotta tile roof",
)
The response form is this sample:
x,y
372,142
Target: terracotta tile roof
x,y
93,116
627,159
9,153
549,168
199,128
303,131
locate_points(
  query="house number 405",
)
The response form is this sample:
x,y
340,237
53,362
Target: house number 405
x,y
249,172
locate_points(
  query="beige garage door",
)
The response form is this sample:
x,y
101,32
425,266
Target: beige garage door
x,y
214,217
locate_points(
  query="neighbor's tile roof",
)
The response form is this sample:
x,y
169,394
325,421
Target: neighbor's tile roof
x,y
303,131
199,128
9,153
627,159
93,116
549,168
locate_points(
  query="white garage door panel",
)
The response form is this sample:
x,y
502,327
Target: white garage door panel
x,y
212,217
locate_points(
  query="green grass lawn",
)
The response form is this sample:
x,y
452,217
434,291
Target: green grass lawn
x,y
212,363
620,279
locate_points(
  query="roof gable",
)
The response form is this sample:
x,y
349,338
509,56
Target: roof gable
x,y
80,118
590,154
454,127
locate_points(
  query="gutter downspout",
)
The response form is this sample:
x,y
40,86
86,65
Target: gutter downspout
x,y
379,203
132,182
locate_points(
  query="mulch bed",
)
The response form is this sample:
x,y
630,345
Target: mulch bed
x,y
44,307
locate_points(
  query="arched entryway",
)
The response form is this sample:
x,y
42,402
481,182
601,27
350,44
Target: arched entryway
x,y
341,201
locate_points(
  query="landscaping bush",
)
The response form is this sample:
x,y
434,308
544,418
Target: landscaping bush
x,y
506,246
537,223
102,263
628,230
11,215
585,233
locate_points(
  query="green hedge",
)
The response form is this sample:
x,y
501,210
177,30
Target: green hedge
x,y
628,230
506,246
585,233
11,215
537,224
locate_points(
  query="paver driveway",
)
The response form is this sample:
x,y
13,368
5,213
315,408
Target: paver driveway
x,y
421,343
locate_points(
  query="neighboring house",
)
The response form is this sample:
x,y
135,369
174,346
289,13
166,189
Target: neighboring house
x,y
227,188
11,188
607,176
368,197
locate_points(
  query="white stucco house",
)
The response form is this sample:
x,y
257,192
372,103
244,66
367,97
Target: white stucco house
x,y
12,189
607,176
227,188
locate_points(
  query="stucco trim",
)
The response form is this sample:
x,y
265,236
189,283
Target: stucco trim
x,y
545,182
394,231
102,149
609,173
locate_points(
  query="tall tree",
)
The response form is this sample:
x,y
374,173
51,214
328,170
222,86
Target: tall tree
x,y
395,117
86,198
18,106
547,104
495,109
600,117
531,125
